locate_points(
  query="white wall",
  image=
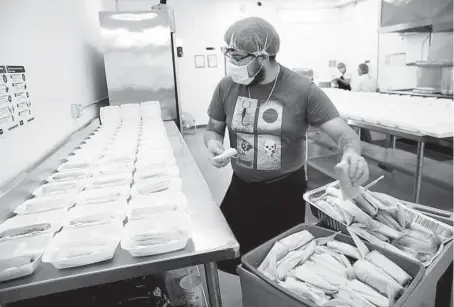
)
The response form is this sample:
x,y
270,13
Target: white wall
x,y
57,42
305,27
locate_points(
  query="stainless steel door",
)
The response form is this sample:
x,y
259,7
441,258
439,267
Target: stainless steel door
x,y
138,59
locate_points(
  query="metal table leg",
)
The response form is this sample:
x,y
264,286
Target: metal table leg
x,y
214,291
419,166
444,287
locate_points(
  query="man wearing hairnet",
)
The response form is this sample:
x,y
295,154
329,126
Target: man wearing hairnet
x,y
267,109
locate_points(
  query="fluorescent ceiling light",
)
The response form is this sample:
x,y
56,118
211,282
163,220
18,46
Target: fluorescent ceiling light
x,y
134,17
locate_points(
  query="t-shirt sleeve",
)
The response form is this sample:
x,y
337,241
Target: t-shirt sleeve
x,y
319,109
216,110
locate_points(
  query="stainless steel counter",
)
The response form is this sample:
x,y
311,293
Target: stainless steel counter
x,y
212,238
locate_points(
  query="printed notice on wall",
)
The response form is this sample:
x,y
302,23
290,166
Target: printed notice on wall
x,y
15,101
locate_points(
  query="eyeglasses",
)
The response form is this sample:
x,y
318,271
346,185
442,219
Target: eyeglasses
x,y
236,57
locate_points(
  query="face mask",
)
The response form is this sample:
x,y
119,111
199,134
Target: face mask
x,y
240,74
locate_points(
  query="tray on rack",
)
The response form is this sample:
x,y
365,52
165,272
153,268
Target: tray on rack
x,y
444,231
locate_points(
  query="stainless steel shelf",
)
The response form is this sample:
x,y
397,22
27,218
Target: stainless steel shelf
x,y
212,239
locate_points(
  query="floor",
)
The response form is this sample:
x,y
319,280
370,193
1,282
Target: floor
x,y
218,181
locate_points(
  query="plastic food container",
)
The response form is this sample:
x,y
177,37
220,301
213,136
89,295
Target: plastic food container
x,y
97,214
76,165
102,181
149,173
115,168
102,195
74,247
69,176
32,224
21,257
155,162
115,159
165,184
161,234
59,188
144,207
150,153
46,203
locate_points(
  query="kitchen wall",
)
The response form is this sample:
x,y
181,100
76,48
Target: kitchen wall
x,y
312,33
58,43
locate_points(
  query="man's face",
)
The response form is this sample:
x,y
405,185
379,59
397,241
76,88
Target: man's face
x,y
240,58
342,69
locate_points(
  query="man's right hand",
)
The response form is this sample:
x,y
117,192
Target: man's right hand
x,y
215,148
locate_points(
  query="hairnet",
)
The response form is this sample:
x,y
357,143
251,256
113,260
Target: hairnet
x,y
363,68
253,35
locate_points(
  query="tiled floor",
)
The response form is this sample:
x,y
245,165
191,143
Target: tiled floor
x,y
218,181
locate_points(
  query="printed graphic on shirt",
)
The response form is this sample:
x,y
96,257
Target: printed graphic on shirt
x,y
245,148
244,115
269,154
270,118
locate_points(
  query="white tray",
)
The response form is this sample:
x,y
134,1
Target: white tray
x,y
103,213
60,188
146,207
115,168
33,246
149,173
54,218
155,163
47,203
69,176
102,181
99,242
159,224
103,195
68,166
165,184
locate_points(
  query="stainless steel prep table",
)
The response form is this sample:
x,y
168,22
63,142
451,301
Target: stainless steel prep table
x,y
417,136
212,239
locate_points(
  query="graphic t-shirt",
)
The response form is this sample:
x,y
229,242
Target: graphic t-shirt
x,y
270,136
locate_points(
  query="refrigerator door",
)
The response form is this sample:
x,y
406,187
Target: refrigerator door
x,y
138,56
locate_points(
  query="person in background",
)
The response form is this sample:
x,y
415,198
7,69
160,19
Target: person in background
x,y
266,109
343,81
364,83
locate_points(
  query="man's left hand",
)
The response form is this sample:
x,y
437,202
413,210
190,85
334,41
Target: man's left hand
x,y
358,170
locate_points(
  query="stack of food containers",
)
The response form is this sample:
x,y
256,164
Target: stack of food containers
x,y
86,201
157,218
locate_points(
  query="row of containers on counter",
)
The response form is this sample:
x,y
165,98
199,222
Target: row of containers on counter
x,y
426,116
375,256
124,171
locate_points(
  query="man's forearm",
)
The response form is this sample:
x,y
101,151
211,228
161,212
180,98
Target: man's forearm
x,y
349,141
212,135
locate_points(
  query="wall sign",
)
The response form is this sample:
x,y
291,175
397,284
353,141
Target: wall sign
x,y
199,61
15,102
